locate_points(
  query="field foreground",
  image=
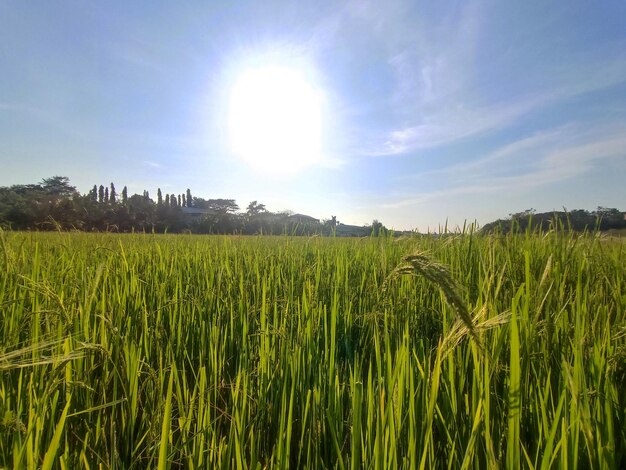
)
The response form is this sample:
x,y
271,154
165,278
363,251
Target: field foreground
x,y
146,351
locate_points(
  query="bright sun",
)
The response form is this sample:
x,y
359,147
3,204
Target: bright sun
x,y
275,119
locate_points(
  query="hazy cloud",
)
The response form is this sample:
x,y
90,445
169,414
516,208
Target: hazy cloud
x,y
152,164
438,96
532,162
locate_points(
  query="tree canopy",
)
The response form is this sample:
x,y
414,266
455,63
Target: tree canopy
x,y
576,220
54,204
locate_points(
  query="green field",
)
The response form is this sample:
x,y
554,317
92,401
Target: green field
x,y
157,351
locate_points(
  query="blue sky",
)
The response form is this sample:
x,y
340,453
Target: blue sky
x,y
432,110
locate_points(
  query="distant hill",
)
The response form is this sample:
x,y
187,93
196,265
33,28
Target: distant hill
x,y
579,220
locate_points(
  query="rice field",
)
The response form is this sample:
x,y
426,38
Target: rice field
x,y
181,351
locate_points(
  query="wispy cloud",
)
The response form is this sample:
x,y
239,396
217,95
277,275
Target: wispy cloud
x,y
439,94
456,122
514,152
151,164
534,162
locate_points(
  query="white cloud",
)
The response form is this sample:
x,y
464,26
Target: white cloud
x,y
448,125
152,164
455,122
528,164
438,97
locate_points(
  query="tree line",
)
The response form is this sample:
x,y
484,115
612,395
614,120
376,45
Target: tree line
x,y
579,220
54,204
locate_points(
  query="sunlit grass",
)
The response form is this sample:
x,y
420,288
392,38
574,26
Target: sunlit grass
x,y
152,351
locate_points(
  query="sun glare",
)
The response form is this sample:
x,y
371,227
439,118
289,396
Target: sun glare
x,y
275,119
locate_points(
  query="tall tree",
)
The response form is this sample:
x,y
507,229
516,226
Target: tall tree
x,y
222,206
167,200
112,194
58,186
125,195
179,201
378,229
106,194
189,198
159,197
254,208
184,201
173,201
101,194
94,193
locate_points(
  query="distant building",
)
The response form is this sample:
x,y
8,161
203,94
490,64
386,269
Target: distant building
x,y
344,230
194,212
303,219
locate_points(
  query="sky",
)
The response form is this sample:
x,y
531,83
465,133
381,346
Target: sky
x,y
426,112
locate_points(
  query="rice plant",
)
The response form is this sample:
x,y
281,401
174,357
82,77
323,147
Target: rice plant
x,y
176,351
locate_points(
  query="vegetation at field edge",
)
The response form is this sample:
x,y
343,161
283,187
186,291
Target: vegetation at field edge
x,y
168,351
